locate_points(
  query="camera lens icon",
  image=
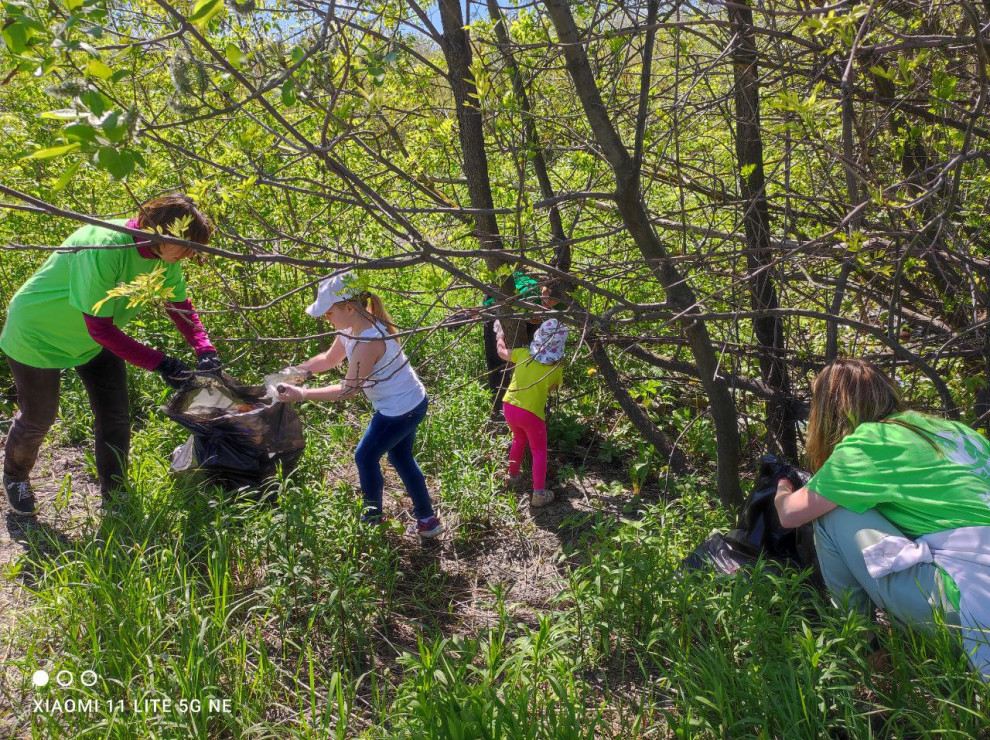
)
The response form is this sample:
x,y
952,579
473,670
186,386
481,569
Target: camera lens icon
x,y
40,678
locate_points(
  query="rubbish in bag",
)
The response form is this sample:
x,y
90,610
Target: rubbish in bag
x,y
721,554
759,532
288,376
240,436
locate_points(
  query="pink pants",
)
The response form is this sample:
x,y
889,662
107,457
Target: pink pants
x,y
527,429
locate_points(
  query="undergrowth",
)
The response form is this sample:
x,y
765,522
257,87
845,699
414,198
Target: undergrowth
x,y
310,625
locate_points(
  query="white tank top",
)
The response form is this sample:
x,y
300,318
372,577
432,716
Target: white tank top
x,y
393,386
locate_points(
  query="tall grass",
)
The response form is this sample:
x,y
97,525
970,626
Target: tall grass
x,y
312,626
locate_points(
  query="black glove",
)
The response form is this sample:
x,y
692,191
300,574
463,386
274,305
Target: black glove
x,y
174,372
776,468
208,362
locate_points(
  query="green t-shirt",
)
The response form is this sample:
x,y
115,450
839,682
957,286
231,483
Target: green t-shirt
x,y
918,488
45,326
531,381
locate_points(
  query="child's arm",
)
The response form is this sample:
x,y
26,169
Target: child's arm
x,y
326,360
359,369
504,352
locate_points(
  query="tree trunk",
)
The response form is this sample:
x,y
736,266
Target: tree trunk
x,y
636,219
562,249
769,330
457,51
637,416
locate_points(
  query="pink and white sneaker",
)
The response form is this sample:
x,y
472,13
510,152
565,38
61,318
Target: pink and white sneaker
x,y
430,528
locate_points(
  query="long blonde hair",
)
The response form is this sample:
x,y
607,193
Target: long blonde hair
x,y
845,394
370,304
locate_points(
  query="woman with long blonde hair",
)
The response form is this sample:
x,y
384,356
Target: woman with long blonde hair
x,y
901,506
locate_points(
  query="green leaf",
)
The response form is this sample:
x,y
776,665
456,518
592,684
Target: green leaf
x,y
81,132
15,37
61,114
119,164
883,72
114,125
96,68
66,176
289,93
235,56
53,151
94,101
72,5
205,11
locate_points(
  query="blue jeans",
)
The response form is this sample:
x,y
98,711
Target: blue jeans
x,y
393,435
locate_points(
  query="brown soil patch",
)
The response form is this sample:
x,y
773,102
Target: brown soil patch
x,y
68,496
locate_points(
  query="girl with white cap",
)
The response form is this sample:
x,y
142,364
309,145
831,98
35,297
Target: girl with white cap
x,y
536,370
377,366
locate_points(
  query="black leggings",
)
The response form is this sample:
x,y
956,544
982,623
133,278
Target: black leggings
x,y
105,379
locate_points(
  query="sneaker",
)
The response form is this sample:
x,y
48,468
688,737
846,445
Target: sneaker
x,y
513,481
540,498
430,528
20,495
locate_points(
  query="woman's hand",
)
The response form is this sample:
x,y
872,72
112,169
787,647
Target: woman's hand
x,y
291,393
208,362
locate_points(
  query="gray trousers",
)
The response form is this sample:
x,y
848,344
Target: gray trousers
x,y
910,596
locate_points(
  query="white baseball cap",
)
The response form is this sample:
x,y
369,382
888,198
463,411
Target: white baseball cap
x,y
333,290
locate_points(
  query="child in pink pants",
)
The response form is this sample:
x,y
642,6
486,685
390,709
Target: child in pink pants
x,y
536,369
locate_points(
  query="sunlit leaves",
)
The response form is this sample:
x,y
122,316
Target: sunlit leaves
x,y
144,289
235,56
288,94
206,10
96,68
53,151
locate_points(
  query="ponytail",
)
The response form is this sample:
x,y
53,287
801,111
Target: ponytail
x,y
372,304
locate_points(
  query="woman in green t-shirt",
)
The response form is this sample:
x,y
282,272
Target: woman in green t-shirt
x,y
901,505
61,318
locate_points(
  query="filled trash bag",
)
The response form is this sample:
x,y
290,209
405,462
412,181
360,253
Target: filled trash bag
x,y
240,436
720,554
759,532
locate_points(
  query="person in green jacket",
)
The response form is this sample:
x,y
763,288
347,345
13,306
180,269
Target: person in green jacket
x,y
61,318
901,506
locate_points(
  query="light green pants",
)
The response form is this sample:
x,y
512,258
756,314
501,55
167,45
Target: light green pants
x,y
911,596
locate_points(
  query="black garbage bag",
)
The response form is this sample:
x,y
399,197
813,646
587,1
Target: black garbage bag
x,y
721,554
759,532
240,436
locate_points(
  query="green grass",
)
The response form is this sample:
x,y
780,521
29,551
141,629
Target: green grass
x,y
312,626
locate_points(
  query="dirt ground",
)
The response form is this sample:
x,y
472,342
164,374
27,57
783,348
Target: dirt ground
x,y
59,470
